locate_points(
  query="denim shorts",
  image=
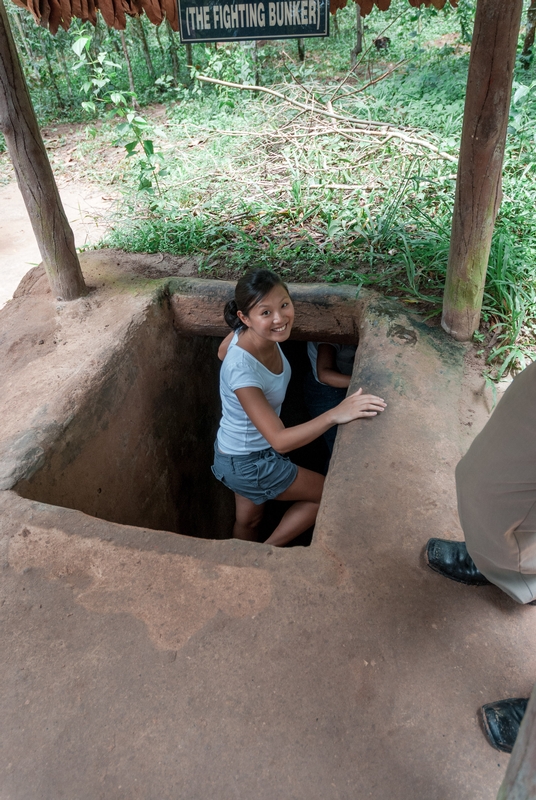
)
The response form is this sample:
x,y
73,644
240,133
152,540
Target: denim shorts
x,y
259,476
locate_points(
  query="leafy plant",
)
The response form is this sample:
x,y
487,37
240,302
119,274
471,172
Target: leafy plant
x,y
100,76
466,17
150,165
133,130
523,101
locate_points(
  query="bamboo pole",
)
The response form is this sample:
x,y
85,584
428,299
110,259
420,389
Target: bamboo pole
x,y
34,173
520,780
478,185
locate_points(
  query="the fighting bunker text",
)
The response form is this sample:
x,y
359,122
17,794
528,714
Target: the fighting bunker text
x,y
206,20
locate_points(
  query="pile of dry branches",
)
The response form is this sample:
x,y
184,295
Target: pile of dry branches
x,y
319,119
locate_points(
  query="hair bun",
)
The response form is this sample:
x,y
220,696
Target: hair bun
x,y
230,314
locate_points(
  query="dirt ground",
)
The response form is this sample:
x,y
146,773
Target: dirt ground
x,y
143,665
86,178
85,207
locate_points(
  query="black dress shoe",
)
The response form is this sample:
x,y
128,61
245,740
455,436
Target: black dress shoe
x,y
452,560
501,722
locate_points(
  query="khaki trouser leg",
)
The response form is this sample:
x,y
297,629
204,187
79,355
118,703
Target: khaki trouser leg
x,y
509,560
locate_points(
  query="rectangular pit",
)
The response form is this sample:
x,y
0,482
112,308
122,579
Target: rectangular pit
x,y
139,449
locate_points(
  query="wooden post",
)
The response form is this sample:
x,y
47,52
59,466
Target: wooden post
x,y
34,174
520,780
478,186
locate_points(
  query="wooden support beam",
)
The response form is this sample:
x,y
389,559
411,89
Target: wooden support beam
x,y
520,780
34,173
478,186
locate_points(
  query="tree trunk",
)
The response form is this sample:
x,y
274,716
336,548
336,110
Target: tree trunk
x,y
24,40
520,780
478,185
161,48
52,76
334,21
529,34
129,69
95,43
66,74
34,174
173,53
257,63
189,55
113,39
144,46
358,37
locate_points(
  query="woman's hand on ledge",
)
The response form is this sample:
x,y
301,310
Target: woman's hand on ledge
x,y
357,405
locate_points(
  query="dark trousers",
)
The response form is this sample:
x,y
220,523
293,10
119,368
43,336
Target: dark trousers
x,y
320,398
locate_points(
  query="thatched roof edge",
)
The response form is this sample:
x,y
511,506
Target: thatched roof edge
x,y
53,14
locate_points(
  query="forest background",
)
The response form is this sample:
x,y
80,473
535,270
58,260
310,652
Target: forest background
x,y
342,169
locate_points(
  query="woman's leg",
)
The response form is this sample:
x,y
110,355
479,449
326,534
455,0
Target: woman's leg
x,y
248,518
306,491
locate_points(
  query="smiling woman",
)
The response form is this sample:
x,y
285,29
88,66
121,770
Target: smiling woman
x,y
251,440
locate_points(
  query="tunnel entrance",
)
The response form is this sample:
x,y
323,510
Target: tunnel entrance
x,y
139,451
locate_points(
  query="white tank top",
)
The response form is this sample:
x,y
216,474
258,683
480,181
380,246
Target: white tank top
x,y
237,435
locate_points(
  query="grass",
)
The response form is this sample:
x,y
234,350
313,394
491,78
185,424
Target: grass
x,y
269,198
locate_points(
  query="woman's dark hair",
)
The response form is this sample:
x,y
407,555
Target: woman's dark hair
x,y
249,291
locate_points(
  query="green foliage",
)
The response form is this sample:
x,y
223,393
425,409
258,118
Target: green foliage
x,y
466,14
57,88
523,112
133,130
231,63
100,72
150,165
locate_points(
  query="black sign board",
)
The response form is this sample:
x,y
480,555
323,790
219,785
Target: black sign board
x,y
235,20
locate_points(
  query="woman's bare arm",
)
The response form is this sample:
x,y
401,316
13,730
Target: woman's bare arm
x,y
326,368
284,439
224,346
